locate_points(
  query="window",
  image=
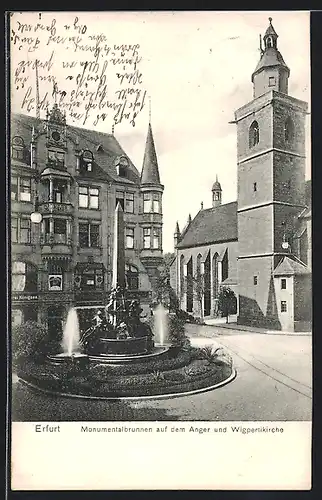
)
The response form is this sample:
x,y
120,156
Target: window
x,y
283,284
132,277
253,134
216,196
24,230
20,189
88,197
255,280
88,235
271,81
181,275
156,238
119,198
289,130
215,281
20,230
224,266
17,148
269,43
147,203
14,229
129,237
56,158
146,237
87,161
283,306
255,187
129,203
58,194
14,188
156,208
24,277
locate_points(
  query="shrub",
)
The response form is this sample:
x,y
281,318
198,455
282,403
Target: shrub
x,y
177,334
28,340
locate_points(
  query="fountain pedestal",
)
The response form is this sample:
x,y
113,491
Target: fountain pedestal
x,y
76,361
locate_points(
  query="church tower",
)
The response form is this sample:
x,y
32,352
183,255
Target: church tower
x,y
271,181
151,209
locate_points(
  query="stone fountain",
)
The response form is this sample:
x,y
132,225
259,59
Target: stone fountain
x,y
116,333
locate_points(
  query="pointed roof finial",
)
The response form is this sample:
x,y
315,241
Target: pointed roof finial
x,y
189,218
201,205
270,20
177,229
113,128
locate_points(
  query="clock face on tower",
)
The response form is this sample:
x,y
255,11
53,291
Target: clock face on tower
x,y
55,136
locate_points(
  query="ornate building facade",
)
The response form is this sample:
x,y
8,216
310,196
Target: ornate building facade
x,y
74,179
266,234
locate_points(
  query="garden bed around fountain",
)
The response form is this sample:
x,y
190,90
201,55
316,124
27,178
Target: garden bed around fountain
x,y
180,374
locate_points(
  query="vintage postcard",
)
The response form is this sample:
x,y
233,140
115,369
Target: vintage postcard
x,y
160,211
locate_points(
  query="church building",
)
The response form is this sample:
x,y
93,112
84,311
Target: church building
x,y
259,246
65,185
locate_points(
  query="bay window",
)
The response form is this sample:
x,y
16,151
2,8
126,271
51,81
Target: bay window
x,y
156,208
147,237
156,238
147,203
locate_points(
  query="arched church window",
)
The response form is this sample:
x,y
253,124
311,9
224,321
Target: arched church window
x,y
289,130
17,148
181,275
199,257
132,277
215,283
253,134
269,43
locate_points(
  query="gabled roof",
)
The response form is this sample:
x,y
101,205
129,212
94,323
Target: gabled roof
x,y
290,267
104,156
217,224
150,169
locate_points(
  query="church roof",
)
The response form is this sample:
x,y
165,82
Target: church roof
x,y
104,157
150,169
216,224
290,267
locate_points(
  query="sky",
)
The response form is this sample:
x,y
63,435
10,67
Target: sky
x,y
196,67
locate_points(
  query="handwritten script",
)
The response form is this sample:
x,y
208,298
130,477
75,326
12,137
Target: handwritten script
x,y
90,78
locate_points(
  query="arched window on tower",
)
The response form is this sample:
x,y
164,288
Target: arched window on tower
x,y
87,160
253,134
269,43
289,130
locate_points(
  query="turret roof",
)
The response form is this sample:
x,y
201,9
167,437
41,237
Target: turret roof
x,y
150,169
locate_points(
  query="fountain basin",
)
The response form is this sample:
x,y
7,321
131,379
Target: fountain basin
x,y
78,361
132,346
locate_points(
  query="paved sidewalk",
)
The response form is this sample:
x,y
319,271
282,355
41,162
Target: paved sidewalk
x,y
232,325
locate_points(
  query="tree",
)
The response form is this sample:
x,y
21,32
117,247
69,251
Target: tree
x,y
227,302
165,293
197,284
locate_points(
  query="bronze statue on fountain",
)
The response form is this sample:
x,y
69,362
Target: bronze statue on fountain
x,y
118,328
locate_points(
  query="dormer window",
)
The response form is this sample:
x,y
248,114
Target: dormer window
x,y
253,134
17,148
122,166
87,161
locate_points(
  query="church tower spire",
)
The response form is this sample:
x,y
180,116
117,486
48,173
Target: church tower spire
x,y
271,72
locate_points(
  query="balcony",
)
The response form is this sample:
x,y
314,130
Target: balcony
x,y
52,207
